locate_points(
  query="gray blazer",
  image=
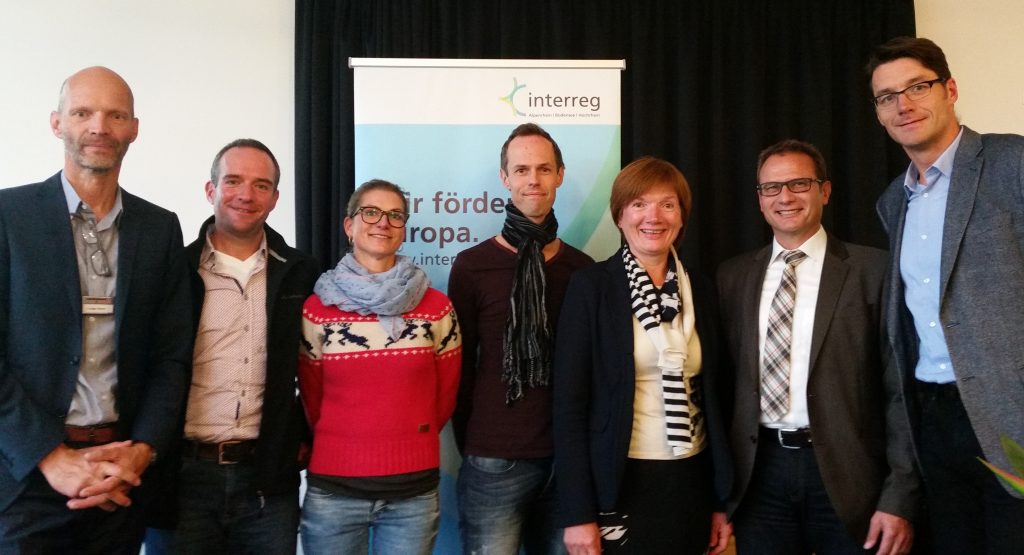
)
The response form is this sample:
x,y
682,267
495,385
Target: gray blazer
x,y
862,444
981,302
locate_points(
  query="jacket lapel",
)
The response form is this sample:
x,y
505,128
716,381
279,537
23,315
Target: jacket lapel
x,y
619,309
895,199
128,232
277,266
963,190
750,302
58,235
833,276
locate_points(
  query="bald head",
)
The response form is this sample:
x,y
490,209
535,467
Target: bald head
x,y
95,118
97,77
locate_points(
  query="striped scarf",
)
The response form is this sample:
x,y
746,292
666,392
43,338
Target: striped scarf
x,y
528,341
652,308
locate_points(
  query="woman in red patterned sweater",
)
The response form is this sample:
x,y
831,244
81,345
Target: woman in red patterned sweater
x,y
378,377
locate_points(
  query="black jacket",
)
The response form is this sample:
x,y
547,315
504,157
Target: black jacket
x,y
594,388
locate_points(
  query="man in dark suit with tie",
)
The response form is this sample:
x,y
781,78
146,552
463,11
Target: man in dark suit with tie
x,y
821,463
954,296
95,335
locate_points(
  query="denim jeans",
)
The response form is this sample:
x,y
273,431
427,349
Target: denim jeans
x,y
786,509
505,504
338,524
220,512
969,510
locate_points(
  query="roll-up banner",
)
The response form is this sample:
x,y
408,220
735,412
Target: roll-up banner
x,y
435,127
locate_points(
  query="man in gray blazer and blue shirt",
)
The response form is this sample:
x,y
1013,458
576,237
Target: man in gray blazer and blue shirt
x,y
955,295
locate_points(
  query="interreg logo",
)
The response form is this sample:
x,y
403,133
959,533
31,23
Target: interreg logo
x,y
539,105
511,96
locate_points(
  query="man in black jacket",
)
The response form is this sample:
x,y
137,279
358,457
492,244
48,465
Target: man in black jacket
x,y
236,476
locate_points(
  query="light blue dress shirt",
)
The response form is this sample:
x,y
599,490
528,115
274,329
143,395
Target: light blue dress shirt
x,y
920,263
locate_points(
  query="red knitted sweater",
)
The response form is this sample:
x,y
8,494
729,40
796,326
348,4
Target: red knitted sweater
x,y
375,405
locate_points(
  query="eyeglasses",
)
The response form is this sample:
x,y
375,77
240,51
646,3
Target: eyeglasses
x,y
798,185
917,91
98,258
372,215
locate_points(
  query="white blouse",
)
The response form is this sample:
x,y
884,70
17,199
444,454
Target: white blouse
x,y
648,440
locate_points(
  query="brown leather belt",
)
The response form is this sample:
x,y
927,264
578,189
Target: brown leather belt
x,y
225,452
94,435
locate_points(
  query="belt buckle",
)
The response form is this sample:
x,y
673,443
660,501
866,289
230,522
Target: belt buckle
x,y
782,442
220,451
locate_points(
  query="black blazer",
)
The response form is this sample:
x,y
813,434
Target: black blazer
x,y
594,385
41,326
861,439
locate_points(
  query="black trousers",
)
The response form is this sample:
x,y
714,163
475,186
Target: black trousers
x,y
968,509
786,509
39,522
664,507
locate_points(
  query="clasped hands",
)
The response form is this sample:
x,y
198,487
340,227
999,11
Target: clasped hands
x,y
99,476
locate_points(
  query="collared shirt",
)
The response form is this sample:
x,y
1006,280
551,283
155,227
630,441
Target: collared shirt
x,y
94,398
920,262
229,361
808,280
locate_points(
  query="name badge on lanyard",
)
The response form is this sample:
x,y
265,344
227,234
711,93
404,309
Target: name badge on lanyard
x,y
97,305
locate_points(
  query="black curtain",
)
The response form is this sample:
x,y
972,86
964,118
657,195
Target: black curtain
x,y
708,84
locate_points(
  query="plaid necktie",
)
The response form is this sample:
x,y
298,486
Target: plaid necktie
x,y
777,342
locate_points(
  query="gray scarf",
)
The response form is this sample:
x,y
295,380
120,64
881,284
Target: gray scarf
x,y
388,295
529,337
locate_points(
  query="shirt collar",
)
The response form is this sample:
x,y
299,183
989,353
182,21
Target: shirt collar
x,y
208,258
73,200
813,247
943,165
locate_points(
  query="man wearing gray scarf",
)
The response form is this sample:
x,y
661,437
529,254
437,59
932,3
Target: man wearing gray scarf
x,y
508,292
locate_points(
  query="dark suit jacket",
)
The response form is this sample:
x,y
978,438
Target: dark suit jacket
x,y
290,278
863,447
41,326
594,385
981,294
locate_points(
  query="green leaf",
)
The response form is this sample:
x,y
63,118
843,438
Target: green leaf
x,y
1014,481
1015,453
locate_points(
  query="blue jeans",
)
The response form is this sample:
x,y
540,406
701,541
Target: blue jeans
x,y
505,504
220,512
337,524
786,509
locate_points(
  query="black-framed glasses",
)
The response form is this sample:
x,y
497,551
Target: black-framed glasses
x,y
98,258
798,185
372,215
917,91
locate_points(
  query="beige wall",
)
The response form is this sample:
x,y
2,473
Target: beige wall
x,y
984,44
203,72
